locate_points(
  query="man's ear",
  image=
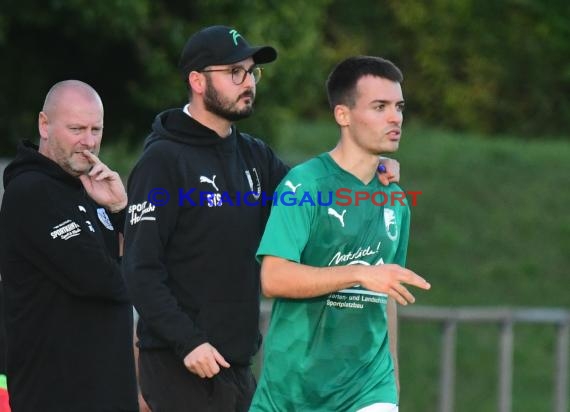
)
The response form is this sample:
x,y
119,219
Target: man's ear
x,y
342,115
43,125
197,82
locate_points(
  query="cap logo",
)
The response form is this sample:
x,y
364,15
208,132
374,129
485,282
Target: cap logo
x,y
235,35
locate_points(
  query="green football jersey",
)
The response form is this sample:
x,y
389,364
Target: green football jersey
x,y
331,353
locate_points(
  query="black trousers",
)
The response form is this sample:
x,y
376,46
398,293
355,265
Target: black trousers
x,y
167,386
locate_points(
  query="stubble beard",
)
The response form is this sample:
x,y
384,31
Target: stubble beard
x,y
215,103
73,163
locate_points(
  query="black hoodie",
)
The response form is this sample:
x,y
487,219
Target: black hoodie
x,y
190,262
68,319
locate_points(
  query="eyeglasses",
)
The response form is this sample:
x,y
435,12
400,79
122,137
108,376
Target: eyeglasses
x,y
238,73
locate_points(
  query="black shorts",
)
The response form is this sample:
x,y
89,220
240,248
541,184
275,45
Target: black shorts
x,y
167,386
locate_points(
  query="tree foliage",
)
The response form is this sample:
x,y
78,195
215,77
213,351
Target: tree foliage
x,y
495,67
501,66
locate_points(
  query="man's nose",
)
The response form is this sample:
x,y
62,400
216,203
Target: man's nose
x,y
395,116
89,138
249,80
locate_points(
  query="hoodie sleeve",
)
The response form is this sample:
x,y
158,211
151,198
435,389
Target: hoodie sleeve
x,y
51,234
148,229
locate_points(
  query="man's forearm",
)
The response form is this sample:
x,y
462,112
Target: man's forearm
x,y
286,279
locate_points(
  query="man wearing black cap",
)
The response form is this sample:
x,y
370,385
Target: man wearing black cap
x,y
189,262
199,198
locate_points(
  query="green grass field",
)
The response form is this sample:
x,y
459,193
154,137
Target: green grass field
x,y
491,228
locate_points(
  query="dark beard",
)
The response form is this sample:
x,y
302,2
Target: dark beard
x,y
213,104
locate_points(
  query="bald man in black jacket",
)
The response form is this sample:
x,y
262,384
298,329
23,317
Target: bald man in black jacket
x,y
68,318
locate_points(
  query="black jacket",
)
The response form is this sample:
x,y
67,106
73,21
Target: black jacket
x,y
68,319
190,263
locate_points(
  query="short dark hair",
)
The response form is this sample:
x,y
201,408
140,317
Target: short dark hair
x,y
341,83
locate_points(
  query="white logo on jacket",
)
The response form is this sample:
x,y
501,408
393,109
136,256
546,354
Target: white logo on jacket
x,y
139,211
214,199
90,226
257,191
65,230
204,179
104,218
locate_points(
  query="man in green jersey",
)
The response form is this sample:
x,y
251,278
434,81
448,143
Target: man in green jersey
x,y
336,268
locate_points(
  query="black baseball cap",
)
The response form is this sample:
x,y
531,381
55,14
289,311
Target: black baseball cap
x,y
220,45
